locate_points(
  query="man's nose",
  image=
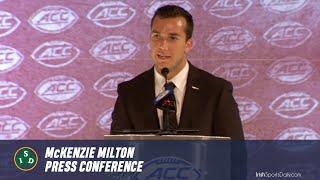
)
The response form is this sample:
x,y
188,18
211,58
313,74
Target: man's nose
x,y
163,44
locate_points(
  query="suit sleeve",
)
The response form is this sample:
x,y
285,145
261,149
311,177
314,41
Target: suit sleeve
x,y
229,122
120,118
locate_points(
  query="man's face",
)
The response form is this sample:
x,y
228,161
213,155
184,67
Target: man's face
x,y
169,45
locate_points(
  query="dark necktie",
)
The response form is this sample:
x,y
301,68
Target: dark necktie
x,y
169,117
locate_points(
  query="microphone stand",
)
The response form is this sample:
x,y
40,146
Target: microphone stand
x,y
166,111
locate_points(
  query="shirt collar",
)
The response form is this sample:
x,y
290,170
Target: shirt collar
x,y
179,80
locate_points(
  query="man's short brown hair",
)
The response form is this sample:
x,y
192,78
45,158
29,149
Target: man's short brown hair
x,y
172,11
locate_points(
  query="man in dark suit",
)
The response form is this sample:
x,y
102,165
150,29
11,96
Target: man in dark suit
x,y
204,102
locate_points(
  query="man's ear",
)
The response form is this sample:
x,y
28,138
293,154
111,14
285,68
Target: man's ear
x,y
189,45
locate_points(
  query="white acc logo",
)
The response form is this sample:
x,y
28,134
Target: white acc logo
x,y
59,89
231,39
290,70
227,8
298,133
283,6
240,74
55,53
111,14
114,49
105,120
155,4
248,108
8,23
107,85
62,124
287,34
293,105
53,19
12,128
10,58
10,94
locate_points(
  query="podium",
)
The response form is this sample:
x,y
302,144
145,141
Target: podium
x,y
137,137
179,156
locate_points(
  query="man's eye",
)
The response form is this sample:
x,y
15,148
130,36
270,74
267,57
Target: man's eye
x,y
155,36
173,38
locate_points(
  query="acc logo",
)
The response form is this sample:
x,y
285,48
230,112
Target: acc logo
x,y
62,124
298,133
290,70
248,108
114,49
105,120
155,4
111,14
10,94
55,54
283,6
168,168
107,85
227,8
10,58
287,34
240,74
293,105
230,39
59,89
8,23
12,128
53,19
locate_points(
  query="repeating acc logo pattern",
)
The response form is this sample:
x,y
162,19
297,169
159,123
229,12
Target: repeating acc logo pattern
x,y
290,70
59,89
283,6
10,94
114,49
293,105
10,58
111,14
53,19
231,39
105,120
227,8
107,85
298,133
12,127
62,124
248,108
55,54
287,34
240,74
8,23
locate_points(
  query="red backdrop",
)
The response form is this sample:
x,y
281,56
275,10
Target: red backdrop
x,y
61,61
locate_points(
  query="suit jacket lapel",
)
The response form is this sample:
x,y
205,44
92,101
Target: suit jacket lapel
x,y
190,107
148,100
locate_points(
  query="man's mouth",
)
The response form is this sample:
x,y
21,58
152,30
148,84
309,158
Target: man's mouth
x,y
163,57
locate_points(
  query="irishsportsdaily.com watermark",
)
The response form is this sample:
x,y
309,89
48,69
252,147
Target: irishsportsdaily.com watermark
x,y
279,174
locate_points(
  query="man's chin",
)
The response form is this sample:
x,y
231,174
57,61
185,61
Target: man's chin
x,y
162,65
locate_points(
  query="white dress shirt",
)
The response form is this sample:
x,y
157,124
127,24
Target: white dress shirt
x,y
180,81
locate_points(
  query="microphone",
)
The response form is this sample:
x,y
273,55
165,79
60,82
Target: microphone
x,y
161,101
165,72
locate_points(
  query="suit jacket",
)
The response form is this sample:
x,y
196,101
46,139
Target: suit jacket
x,y
210,107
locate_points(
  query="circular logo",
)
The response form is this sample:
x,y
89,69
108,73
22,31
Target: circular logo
x,y
25,158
